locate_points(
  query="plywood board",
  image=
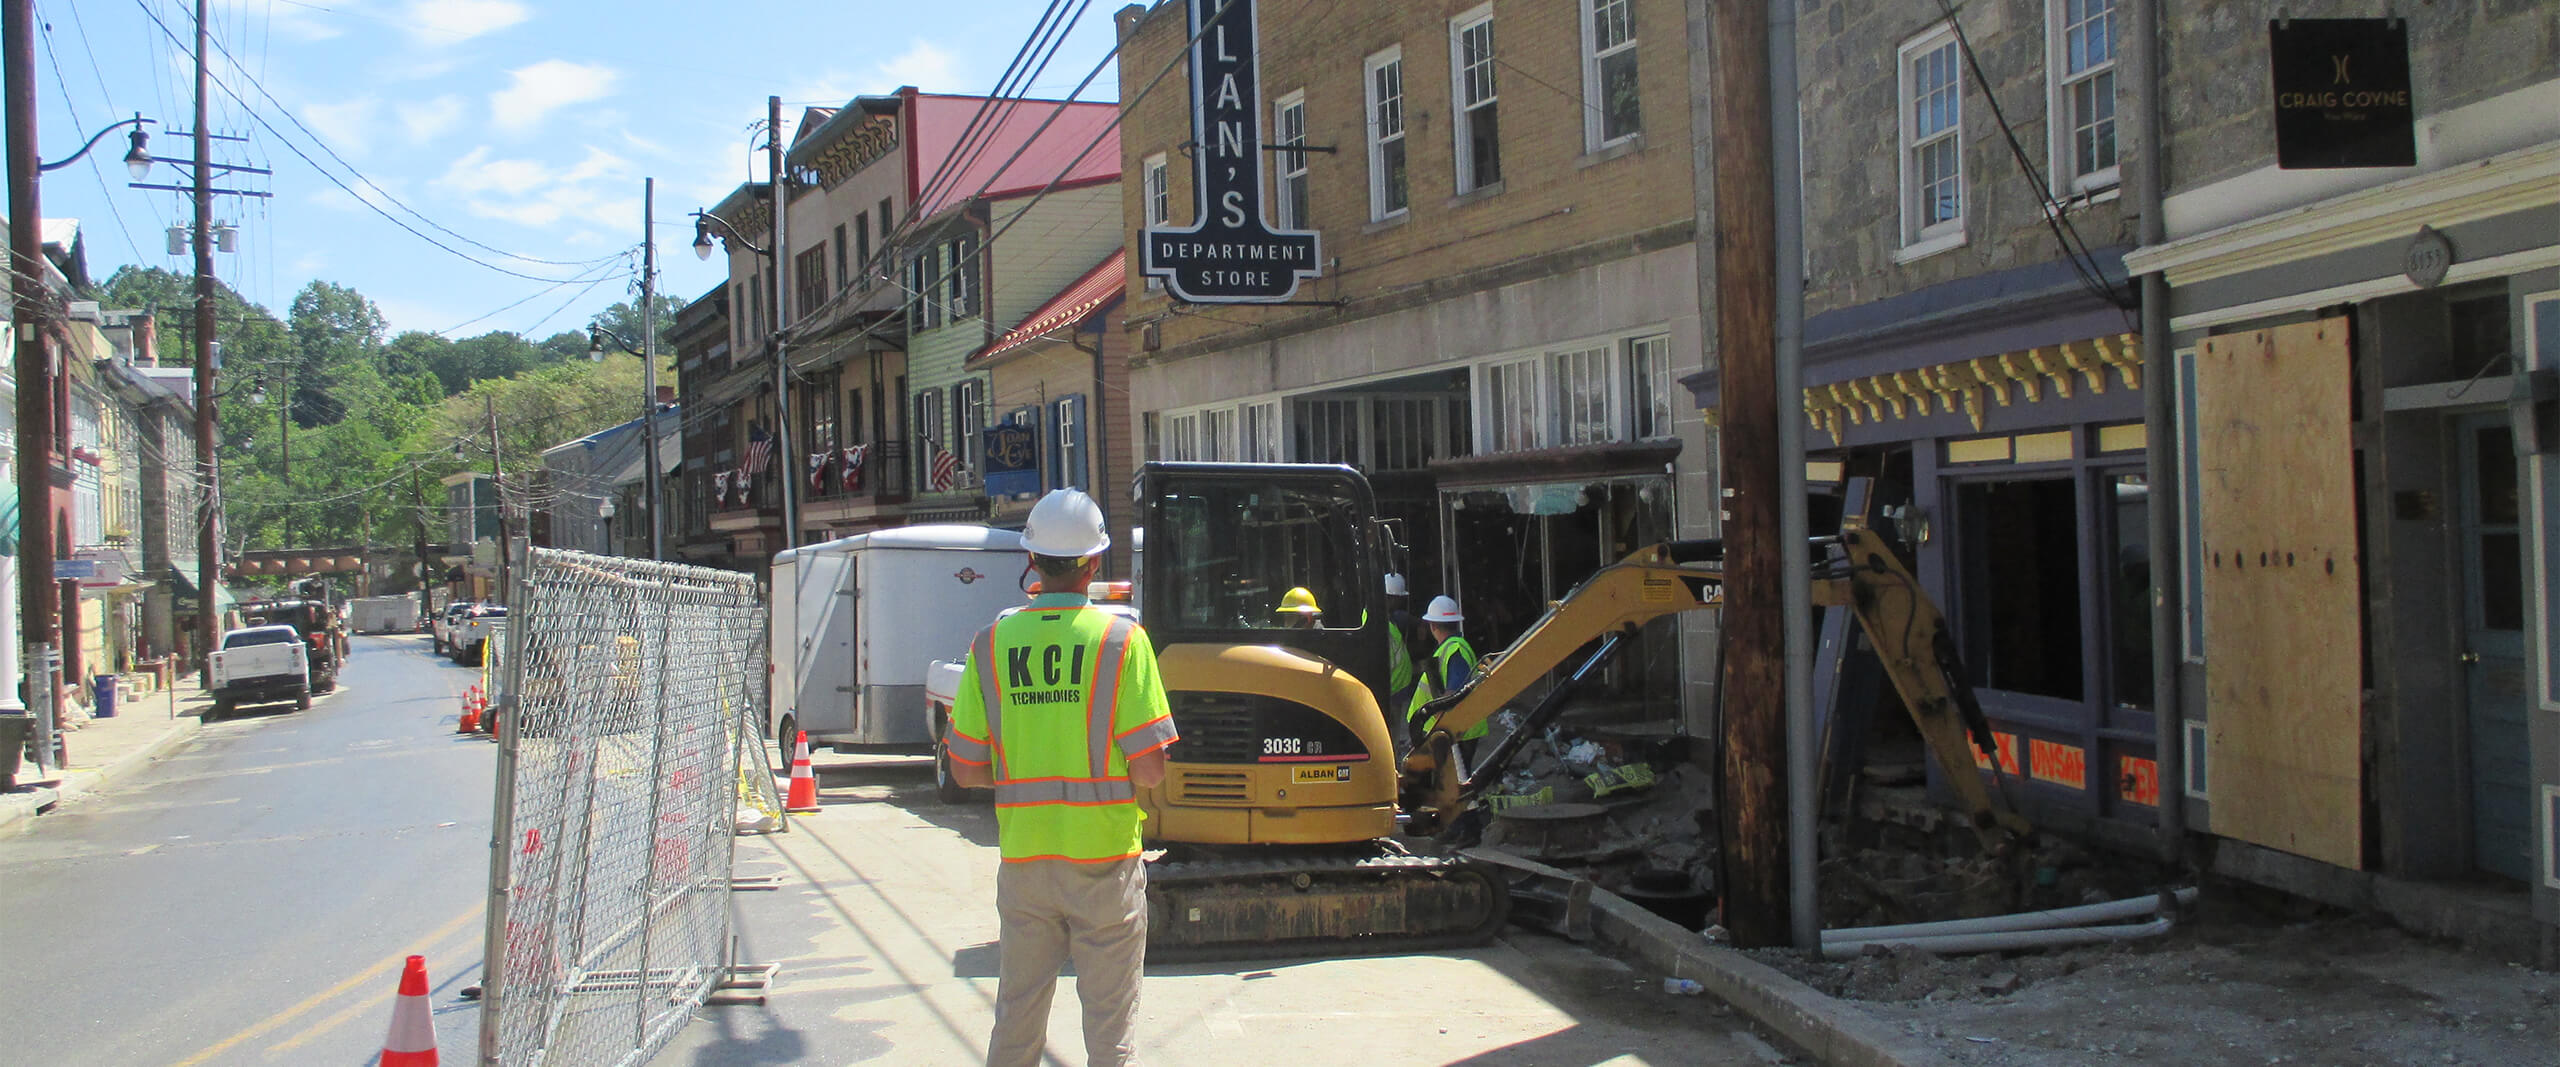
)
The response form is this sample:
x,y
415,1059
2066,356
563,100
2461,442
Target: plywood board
x,y
2283,668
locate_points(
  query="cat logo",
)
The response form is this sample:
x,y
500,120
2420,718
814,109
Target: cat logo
x,y
1322,775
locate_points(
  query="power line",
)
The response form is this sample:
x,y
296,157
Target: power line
x,y
333,179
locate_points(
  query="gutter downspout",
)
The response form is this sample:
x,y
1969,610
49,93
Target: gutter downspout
x,y
1794,553
2160,458
1096,439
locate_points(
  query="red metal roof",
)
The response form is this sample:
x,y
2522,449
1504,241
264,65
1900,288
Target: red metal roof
x,y
940,120
1080,298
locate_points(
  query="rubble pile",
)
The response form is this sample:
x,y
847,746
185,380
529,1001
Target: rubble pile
x,y
1652,817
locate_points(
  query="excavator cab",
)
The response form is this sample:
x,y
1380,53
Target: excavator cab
x,y
1283,736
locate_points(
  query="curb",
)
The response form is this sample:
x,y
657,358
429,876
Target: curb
x,y
27,805
1831,1030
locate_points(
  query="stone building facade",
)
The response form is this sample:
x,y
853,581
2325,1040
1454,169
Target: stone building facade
x,y
2396,720
1508,292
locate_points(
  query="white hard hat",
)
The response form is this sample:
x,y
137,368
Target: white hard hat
x,y
1067,524
1395,584
1443,609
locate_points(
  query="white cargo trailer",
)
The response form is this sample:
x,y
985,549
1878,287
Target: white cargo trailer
x,y
856,620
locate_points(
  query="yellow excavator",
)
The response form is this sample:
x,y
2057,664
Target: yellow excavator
x,y
1287,808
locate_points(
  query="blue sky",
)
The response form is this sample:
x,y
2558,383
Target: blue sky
x,y
520,125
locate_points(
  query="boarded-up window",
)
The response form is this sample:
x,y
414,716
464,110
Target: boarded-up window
x,y
2284,673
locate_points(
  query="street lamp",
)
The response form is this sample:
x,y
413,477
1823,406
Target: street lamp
x,y
703,221
137,158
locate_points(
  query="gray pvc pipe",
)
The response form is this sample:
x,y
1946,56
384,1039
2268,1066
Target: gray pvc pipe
x,y
2004,940
2051,918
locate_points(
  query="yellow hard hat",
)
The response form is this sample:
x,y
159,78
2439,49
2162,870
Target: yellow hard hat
x,y
1299,601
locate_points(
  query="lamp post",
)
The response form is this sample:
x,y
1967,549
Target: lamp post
x,y
38,444
703,222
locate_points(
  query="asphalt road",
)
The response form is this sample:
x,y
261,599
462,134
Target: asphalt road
x,y
249,899
884,931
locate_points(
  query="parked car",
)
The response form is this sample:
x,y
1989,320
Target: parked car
x,y
321,628
471,633
261,665
442,627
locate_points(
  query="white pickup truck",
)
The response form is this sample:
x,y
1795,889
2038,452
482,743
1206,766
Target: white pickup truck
x,y
260,665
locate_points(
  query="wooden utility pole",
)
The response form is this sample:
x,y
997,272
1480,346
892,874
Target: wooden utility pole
x,y
208,466
38,618
1752,820
785,462
649,477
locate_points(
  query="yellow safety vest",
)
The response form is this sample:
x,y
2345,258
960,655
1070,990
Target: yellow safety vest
x,y
1059,697
1455,648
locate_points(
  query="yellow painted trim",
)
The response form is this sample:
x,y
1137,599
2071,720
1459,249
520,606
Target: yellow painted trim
x,y
1979,450
2130,437
2044,447
1824,470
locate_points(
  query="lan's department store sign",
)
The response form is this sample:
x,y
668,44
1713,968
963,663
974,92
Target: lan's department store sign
x,y
1230,254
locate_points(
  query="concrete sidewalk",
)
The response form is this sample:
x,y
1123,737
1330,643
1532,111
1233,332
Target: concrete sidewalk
x,y
105,750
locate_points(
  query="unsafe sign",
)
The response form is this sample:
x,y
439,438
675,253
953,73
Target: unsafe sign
x,y
1230,254
2060,764
2138,780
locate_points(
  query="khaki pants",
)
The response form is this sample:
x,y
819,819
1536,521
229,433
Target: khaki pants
x,y
1052,910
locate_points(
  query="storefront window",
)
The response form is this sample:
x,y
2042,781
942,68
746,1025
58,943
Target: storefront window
x,y
2021,594
2128,581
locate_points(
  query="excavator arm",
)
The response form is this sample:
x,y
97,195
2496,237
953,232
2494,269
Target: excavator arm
x,y
1857,570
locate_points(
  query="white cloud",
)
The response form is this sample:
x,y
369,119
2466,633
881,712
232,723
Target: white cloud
x,y
451,21
599,189
536,91
428,119
832,88
922,65
347,124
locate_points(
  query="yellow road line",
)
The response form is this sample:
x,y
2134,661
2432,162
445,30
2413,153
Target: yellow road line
x,y
369,974
370,1003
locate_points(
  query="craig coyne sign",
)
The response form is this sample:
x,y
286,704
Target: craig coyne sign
x,y
1230,254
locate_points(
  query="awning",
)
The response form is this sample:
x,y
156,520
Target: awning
x,y
184,584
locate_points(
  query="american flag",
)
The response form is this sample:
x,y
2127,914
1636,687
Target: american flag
x,y
759,450
946,468
853,458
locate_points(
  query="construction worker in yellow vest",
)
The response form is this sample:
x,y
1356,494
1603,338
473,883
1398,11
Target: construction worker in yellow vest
x,y
1451,666
1401,673
1061,711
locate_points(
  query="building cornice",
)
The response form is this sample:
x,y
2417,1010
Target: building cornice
x,y
2499,185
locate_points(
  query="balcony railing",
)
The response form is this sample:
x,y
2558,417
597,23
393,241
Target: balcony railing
x,y
881,479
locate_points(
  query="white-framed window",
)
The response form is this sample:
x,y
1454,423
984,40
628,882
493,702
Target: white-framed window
x,y
1258,432
969,418
1218,435
1652,391
924,290
1068,467
1325,429
1156,194
1180,439
928,434
1478,127
1289,127
1155,197
1611,108
960,266
1932,152
1388,191
1511,407
2081,64
1586,395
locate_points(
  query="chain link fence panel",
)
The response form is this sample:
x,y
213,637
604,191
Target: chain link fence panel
x,y
629,686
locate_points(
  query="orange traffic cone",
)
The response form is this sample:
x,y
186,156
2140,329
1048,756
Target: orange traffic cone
x,y
470,723
803,798
412,1041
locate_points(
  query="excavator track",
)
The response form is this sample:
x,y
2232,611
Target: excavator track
x,y
1360,900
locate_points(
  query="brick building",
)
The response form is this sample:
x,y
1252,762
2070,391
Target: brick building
x,y
1508,292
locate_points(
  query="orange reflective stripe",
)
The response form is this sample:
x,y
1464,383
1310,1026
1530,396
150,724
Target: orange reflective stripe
x,y
1063,791
1102,696
990,694
1147,737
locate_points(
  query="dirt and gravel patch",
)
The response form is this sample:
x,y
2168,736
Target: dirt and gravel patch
x,y
2228,988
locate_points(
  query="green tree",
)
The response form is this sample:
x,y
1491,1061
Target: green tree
x,y
334,329
624,319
